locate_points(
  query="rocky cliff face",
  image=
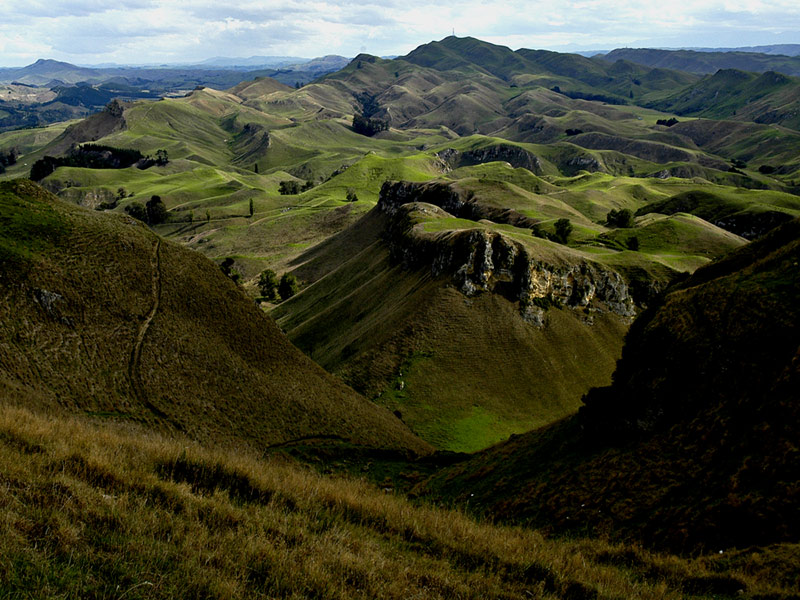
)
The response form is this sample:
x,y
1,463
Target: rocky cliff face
x,y
514,155
480,261
452,200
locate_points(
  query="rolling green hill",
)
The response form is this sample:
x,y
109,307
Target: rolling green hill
x,y
103,318
228,149
694,445
462,280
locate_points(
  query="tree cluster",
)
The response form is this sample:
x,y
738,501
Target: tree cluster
x,y
273,290
563,229
575,95
738,163
369,104
369,126
620,218
89,156
8,158
152,213
291,187
160,159
667,122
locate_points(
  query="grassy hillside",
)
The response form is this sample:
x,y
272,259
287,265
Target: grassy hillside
x,y
535,136
693,446
747,214
95,511
462,270
420,308
105,318
732,94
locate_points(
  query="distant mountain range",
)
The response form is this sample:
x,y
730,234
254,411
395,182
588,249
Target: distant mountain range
x,y
253,61
224,71
785,49
49,91
704,62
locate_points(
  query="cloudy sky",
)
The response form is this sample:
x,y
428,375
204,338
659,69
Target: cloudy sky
x,y
160,31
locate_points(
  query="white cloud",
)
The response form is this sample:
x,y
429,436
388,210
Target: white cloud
x,y
140,31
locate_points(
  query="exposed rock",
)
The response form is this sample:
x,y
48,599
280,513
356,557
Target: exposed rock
x,y
585,163
514,155
91,198
51,303
446,196
481,261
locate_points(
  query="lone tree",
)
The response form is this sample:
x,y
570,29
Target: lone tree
x,y
288,286
156,210
563,229
227,268
351,195
251,207
268,285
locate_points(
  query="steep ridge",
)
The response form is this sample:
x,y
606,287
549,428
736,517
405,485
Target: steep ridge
x,y
694,445
103,318
472,329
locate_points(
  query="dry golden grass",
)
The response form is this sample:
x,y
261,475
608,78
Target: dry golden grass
x,y
89,511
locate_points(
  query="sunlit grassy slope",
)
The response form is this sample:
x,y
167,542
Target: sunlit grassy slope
x,y
466,371
90,511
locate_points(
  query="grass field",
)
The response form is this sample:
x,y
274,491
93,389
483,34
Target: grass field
x,y
95,511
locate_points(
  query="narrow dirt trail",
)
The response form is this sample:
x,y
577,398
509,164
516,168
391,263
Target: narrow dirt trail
x,y
134,364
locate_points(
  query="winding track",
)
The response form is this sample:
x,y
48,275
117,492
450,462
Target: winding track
x,y
134,364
